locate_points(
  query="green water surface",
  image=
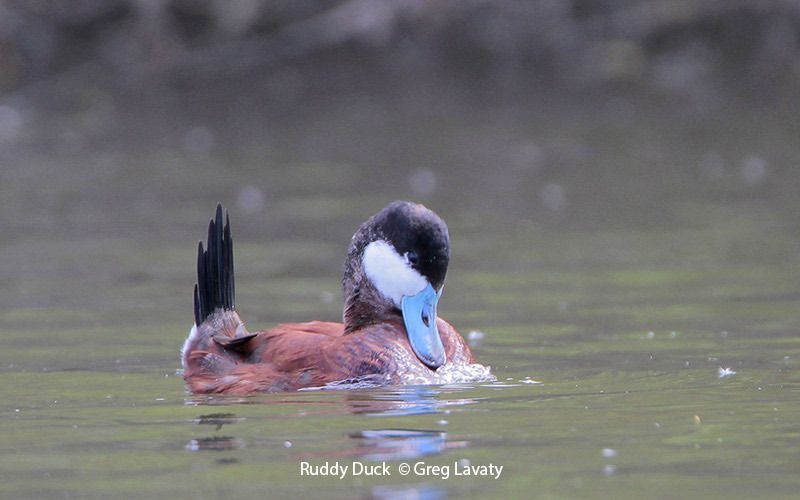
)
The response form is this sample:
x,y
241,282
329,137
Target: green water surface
x,y
622,272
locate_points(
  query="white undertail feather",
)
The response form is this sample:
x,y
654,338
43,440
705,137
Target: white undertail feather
x,y
391,273
189,340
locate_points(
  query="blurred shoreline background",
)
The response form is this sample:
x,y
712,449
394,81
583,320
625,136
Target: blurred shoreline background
x,y
82,74
126,118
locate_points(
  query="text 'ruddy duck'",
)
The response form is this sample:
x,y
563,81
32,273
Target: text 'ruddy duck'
x,y
462,468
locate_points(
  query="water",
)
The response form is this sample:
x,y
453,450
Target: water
x,y
635,292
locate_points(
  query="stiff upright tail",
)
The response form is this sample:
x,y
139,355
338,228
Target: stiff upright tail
x,y
215,283
218,340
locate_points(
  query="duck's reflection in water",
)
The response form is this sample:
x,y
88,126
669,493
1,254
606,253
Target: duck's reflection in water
x,y
370,444
215,443
218,419
406,400
401,444
381,445
416,492
391,401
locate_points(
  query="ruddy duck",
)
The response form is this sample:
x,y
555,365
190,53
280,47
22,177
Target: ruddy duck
x,y
393,278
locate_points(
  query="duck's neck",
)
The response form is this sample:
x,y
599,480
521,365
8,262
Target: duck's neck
x,y
364,306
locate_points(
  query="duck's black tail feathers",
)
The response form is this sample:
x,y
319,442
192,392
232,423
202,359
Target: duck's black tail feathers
x,y
215,284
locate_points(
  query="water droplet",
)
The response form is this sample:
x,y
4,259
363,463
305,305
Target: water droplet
x,y
251,199
475,337
198,141
753,170
553,197
326,297
10,124
422,182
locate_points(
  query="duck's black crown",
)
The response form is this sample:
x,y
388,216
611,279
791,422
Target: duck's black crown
x,y
415,232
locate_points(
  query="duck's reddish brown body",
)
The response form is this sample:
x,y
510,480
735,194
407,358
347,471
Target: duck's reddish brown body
x,y
393,277
297,355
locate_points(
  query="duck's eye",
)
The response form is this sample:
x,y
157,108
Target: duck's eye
x,y
412,258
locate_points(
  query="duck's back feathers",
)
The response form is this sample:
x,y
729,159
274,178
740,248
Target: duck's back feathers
x,y
287,357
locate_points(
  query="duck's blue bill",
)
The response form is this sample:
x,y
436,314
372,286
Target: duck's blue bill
x,y
419,316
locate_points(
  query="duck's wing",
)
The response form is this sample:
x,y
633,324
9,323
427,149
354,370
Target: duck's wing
x,y
295,346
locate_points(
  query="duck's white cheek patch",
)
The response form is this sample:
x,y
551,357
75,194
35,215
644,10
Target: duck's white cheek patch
x,y
391,274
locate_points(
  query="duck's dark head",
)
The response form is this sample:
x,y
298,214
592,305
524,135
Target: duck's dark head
x,y
395,266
